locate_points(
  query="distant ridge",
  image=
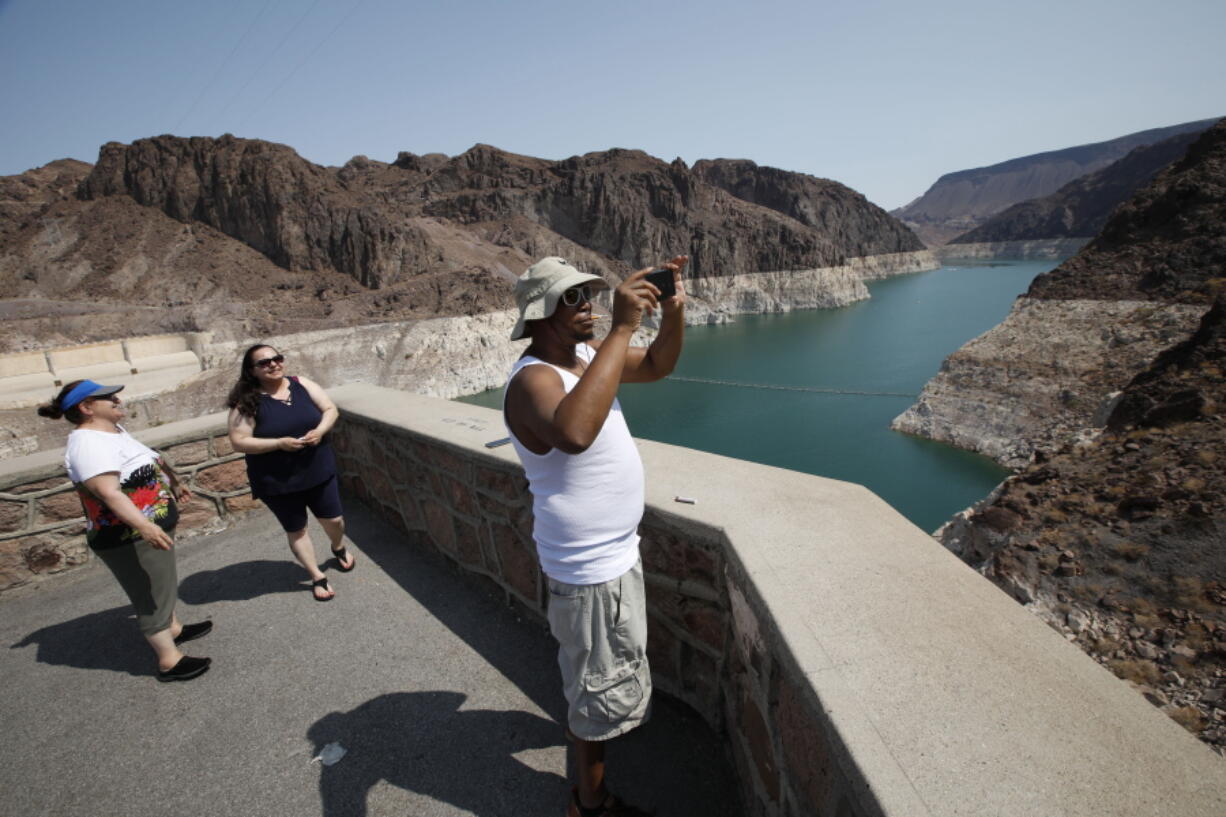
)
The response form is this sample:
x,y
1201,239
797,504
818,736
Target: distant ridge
x,y
1105,386
1081,207
246,237
963,200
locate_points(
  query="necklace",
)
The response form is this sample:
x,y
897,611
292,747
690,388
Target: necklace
x,y
288,400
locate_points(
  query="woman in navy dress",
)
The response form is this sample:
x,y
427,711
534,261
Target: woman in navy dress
x,y
281,424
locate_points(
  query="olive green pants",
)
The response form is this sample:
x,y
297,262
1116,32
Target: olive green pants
x,y
149,577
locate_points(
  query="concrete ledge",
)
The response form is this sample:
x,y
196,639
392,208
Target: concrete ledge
x,y
84,357
144,365
856,666
42,529
155,346
23,363
46,464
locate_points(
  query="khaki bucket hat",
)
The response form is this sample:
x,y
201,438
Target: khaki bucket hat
x,y
537,291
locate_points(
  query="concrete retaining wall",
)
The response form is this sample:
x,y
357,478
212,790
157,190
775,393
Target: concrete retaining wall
x,y
42,528
856,667
143,365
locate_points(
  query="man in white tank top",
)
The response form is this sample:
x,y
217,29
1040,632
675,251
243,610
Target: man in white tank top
x,y
586,479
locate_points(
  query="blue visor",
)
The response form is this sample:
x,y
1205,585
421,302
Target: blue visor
x,y
84,390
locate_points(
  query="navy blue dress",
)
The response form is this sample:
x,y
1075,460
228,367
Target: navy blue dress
x,y
286,472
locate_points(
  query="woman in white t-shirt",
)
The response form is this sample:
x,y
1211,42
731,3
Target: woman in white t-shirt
x,y
131,500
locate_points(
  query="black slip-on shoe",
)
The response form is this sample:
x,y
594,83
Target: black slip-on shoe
x,y
188,668
192,631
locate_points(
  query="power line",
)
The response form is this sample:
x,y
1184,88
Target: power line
x,y
777,387
306,59
208,85
258,71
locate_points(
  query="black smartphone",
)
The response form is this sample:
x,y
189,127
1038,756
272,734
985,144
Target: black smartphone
x,y
663,281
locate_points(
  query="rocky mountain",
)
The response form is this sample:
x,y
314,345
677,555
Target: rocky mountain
x,y
1080,209
1108,380
172,233
1083,330
834,209
1119,537
961,201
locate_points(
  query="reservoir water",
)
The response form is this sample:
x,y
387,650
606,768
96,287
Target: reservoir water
x,y
893,342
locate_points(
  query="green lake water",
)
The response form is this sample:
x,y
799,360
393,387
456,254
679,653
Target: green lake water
x,y
893,342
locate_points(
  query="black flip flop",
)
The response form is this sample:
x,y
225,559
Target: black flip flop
x,y
324,584
341,555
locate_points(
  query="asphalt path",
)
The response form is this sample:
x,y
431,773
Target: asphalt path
x,y
445,700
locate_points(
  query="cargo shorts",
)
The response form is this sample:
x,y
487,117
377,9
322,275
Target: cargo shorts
x,y
601,631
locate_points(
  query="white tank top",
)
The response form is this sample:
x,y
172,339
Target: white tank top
x,y
586,507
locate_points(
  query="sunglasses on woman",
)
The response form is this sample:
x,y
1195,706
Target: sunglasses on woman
x,y
577,295
264,363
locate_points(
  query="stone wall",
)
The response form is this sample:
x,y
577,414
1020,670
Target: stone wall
x,y
855,667
42,528
477,511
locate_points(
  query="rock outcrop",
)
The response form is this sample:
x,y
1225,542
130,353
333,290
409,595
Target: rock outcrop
x,y
247,238
1086,328
963,200
860,227
1080,209
1106,387
1118,538
1047,248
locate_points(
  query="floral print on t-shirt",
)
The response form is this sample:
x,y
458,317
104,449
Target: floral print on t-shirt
x,y
149,489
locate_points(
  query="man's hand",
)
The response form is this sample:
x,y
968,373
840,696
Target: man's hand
x,y
631,298
675,303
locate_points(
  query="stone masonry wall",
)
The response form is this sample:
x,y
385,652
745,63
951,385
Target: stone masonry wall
x,y
710,644
42,527
855,667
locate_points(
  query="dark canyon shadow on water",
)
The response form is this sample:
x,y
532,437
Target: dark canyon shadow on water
x,y
893,342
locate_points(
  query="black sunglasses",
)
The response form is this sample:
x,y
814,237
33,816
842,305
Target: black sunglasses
x,y
113,398
577,295
264,363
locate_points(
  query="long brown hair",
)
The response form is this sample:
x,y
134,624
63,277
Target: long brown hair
x,y
53,410
245,396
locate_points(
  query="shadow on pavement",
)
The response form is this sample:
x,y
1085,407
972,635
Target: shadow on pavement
x,y
674,765
243,581
107,640
423,742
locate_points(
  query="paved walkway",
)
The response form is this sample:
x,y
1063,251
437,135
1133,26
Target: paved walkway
x,y
446,702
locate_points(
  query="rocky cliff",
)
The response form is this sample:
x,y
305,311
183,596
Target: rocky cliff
x,y
1086,328
860,227
247,237
1118,538
1080,209
1105,386
961,201
1045,248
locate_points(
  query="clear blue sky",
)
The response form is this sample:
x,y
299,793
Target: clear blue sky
x,y
882,95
